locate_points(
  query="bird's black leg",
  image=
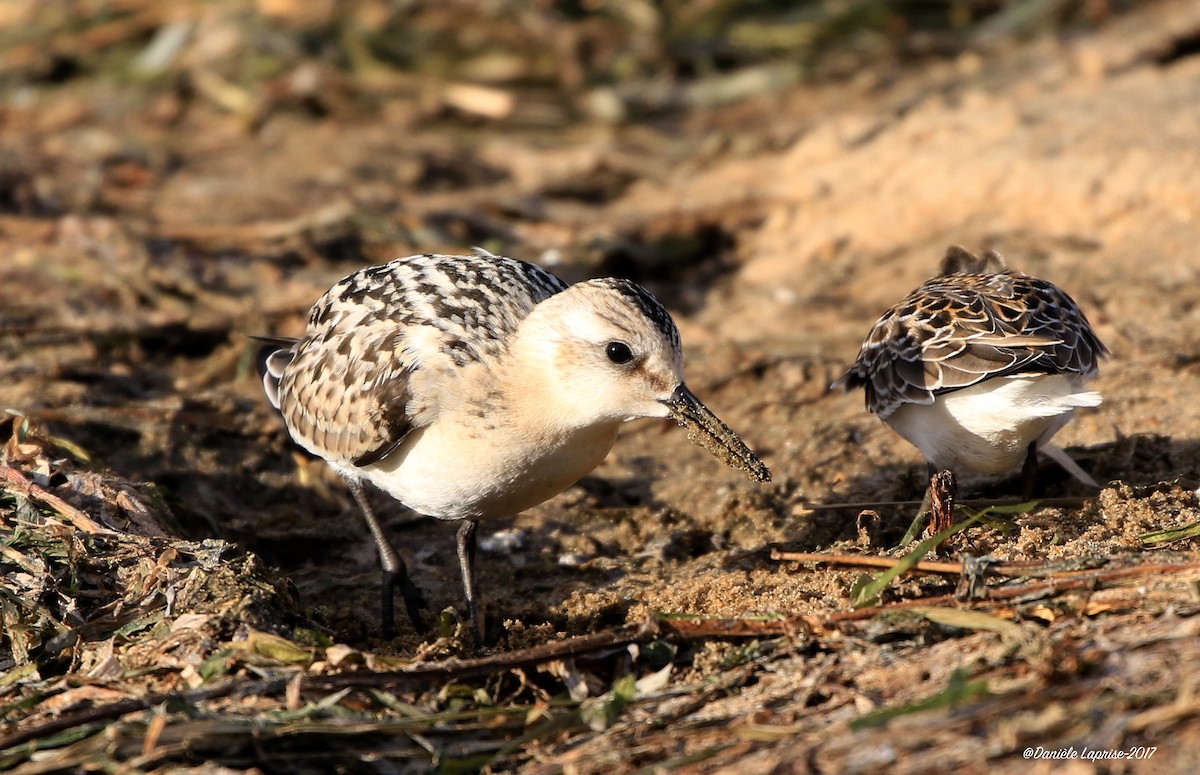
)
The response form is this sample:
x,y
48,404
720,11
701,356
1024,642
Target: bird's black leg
x,y
1029,472
466,566
394,571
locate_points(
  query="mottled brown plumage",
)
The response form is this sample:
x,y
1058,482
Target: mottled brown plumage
x,y
470,387
963,327
344,388
979,368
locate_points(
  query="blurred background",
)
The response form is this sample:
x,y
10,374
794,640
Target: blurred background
x,y
175,177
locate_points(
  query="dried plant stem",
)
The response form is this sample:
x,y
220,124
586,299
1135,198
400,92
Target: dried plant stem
x,y
13,480
864,561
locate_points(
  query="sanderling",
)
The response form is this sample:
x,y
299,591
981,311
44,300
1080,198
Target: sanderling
x,y
469,387
979,367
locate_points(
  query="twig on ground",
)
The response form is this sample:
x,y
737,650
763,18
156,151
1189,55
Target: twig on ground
x,y
1065,582
13,480
865,561
979,503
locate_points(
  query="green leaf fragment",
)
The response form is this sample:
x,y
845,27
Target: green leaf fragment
x,y
958,690
273,647
21,672
965,618
140,623
600,712
216,665
1171,534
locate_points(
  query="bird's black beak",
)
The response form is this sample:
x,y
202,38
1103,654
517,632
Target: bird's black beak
x,y
706,430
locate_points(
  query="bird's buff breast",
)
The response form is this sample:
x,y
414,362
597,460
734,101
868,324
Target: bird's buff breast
x,y
485,472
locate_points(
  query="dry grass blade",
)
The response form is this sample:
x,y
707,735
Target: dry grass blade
x,y
106,713
462,669
14,481
964,618
1058,582
863,561
997,504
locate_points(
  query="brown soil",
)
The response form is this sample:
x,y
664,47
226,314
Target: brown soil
x,y
145,233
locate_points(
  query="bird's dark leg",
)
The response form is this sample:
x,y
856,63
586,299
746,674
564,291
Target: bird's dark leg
x,y
394,571
1029,472
466,566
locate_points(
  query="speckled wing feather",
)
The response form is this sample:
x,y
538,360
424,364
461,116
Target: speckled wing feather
x,y
961,328
345,389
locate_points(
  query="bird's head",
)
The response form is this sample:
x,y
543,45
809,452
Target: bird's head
x,y
606,351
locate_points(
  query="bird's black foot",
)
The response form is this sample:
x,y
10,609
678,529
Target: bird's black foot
x,y
414,601
394,572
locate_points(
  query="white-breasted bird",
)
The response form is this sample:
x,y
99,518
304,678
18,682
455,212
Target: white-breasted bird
x,y
472,387
980,366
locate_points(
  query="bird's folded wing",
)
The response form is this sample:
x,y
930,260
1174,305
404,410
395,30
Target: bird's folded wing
x,y
347,397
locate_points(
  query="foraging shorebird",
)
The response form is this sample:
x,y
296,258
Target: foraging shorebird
x,y
471,387
979,367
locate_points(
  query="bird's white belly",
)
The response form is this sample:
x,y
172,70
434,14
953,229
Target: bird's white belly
x,y
988,427
446,472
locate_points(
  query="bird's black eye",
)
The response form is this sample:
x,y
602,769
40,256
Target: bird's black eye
x,y
618,352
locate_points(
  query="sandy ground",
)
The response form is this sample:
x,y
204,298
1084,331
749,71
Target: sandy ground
x,y
141,242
